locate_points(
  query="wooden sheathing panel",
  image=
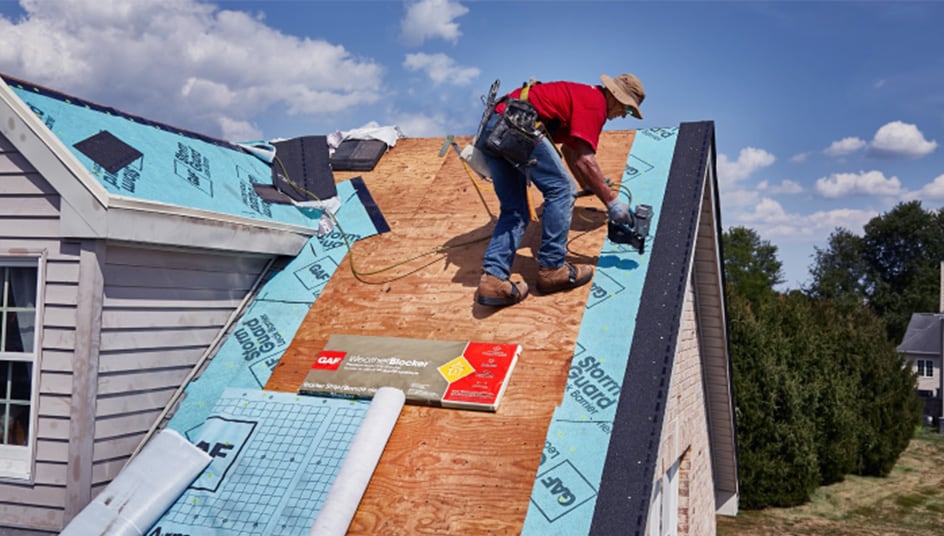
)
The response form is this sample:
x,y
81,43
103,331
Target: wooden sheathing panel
x,y
162,308
29,221
412,163
449,471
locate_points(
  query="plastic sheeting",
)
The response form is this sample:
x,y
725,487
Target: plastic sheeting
x,y
275,457
368,444
137,497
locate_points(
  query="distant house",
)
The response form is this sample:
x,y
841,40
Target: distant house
x,y
114,296
923,347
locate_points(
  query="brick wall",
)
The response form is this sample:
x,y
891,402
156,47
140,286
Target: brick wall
x,y
685,432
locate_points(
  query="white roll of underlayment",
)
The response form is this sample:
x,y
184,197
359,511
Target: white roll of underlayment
x,y
147,486
359,464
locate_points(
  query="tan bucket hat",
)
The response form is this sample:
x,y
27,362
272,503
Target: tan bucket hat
x,y
628,90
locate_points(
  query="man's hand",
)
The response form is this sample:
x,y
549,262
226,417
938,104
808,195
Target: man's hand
x,y
619,213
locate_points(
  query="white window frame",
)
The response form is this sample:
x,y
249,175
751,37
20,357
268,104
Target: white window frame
x,y
925,368
670,500
664,503
17,462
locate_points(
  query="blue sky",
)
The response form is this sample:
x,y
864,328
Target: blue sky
x,y
826,113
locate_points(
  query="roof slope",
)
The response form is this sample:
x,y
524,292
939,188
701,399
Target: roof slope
x,y
465,472
924,335
472,473
122,177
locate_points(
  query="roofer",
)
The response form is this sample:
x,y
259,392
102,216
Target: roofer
x,y
518,139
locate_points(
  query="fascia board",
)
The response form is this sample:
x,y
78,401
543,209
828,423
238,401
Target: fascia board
x,y
722,427
142,205
179,229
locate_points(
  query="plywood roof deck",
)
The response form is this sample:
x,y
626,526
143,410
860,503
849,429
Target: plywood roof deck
x,y
448,471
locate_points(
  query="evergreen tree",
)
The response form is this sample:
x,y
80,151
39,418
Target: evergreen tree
x,y
819,390
751,264
777,464
839,271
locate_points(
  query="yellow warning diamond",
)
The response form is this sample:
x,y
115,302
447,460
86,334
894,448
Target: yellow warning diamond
x,y
456,369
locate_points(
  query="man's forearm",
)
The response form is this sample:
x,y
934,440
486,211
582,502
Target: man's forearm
x,y
588,174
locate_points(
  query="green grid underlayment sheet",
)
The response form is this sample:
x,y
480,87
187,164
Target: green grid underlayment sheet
x,y
565,489
249,354
172,168
275,456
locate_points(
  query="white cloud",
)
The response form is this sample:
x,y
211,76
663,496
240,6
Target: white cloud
x,y
862,183
800,157
422,126
785,187
239,130
749,160
440,68
739,198
827,221
900,140
845,146
770,220
768,212
932,190
428,19
186,62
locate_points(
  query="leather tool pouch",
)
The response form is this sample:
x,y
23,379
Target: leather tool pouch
x,y
516,134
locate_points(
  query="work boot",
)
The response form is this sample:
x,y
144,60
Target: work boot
x,y
496,292
566,277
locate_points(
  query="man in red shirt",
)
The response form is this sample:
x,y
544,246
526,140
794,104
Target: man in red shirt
x,y
573,115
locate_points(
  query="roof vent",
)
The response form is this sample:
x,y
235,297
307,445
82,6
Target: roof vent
x,y
108,151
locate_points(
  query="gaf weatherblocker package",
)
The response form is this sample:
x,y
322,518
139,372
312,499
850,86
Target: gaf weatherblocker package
x,y
451,374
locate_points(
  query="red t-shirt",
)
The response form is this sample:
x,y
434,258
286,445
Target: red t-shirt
x,y
576,110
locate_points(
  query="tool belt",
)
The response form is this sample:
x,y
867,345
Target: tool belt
x,y
517,132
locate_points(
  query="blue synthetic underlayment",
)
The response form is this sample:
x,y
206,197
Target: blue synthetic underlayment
x,y
275,456
249,354
565,489
175,169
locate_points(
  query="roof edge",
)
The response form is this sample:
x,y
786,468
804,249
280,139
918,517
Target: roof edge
x,y
626,487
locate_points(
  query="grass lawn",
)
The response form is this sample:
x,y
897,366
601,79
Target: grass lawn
x,y
909,502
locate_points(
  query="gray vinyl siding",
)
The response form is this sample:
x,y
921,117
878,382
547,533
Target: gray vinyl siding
x,y
161,310
156,312
29,220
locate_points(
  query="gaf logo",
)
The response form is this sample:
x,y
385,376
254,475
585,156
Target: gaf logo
x,y
329,360
560,490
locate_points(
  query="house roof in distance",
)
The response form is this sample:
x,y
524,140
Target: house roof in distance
x,y
923,335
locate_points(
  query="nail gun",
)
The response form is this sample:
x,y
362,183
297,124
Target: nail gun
x,y
633,234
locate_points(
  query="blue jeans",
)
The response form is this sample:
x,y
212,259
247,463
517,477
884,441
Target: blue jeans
x,y
559,190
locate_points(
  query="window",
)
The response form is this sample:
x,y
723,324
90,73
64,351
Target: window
x,y
925,368
664,505
19,284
